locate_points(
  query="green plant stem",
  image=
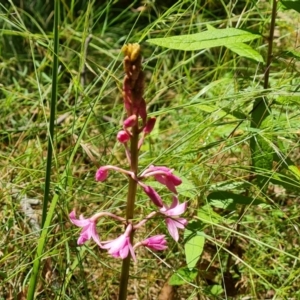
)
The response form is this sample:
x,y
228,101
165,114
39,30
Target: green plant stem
x,y
270,46
130,209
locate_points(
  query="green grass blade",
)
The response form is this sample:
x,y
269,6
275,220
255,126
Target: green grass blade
x,y
40,248
36,264
52,113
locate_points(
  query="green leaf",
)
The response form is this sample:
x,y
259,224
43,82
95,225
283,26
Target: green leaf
x,y
261,151
220,112
205,39
228,200
295,170
245,50
215,290
207,215
3,275
187,188
290,184
229,185
193,247
182,276
291,53
288,100
295,5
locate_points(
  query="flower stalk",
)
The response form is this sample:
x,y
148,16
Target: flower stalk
x,y
132,187
137,123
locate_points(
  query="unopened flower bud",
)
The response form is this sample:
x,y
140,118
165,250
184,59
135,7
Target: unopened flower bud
x,y
130,121
123,136
153,195
101,174
132,51
149,125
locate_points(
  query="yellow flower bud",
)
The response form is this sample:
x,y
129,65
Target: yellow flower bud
x,y
132,51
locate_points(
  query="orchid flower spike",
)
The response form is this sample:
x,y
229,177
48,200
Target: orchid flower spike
x,y
172,220
121,246
88,228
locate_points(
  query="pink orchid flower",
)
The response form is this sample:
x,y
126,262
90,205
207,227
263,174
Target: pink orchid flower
x,y
156,242
121,246
172,220
88,228
163,175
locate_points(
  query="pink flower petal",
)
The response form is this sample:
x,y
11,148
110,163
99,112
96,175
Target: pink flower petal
x,y
172,217
172,228
121,246
178,210
164,176
78,222
88,231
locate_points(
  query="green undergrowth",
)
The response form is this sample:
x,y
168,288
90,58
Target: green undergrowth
x,y
202,100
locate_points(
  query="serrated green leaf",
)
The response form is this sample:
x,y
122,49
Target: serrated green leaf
x,y
245,50
183,276
228,200
193,248
205,39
